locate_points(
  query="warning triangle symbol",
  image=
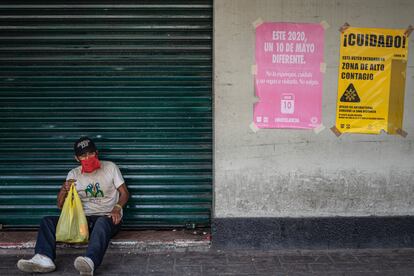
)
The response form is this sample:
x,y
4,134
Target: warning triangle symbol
x,y
350,95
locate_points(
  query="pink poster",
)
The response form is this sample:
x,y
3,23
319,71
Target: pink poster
x,y
288,79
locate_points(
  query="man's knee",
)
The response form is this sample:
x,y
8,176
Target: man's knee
x,y
49,221
103,222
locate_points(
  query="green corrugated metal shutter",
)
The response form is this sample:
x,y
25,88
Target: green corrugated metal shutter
x,y
133,75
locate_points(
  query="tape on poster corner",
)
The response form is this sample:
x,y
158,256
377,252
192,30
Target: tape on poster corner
x,y
319,129
344,27
402,132
257,22
408,31
325,25
336,131
322,67
253,127
254,69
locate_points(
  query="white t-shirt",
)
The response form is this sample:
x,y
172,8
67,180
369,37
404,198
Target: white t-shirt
x,y
98,189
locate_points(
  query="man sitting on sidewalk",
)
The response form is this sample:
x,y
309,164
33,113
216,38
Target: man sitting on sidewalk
x,y
103,193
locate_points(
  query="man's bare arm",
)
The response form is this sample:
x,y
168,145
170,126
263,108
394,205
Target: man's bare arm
x,y
63,192
123,199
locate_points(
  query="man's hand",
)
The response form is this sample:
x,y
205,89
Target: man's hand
x,y
64,192
116,215
67,184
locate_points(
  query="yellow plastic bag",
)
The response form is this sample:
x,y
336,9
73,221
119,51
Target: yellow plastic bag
x,y
72,226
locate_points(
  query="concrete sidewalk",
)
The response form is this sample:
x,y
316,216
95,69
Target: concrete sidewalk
x,y
145,240
214,262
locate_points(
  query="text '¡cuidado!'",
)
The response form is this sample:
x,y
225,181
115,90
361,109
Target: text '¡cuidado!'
x,y
373,40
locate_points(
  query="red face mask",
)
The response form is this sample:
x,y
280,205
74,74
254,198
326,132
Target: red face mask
x,y
90,164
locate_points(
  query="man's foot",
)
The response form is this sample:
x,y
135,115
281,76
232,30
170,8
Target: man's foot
x,y
39,263
84,265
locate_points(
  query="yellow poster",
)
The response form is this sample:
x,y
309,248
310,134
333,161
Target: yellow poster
x,y
371,80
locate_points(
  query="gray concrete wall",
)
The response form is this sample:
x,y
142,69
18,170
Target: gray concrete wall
x,y
297,173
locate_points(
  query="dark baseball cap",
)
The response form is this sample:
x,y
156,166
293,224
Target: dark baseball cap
x,y
84,145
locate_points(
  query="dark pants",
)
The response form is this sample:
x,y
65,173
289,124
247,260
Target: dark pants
x,y
101,230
